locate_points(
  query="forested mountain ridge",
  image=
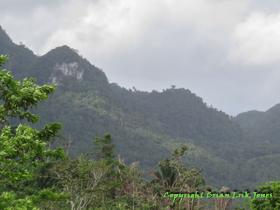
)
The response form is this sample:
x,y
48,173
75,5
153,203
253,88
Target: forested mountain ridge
x,y
187,113
145,126
262,126
263,129
248,120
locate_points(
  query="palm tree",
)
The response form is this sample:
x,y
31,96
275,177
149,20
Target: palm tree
x,y
194,183
173,175
170,171
168,176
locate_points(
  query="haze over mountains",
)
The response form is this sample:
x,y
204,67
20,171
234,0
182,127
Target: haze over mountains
x,y
239,153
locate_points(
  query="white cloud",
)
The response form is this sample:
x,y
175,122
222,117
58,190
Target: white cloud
x,y
207,13
104,25
112,25
257,39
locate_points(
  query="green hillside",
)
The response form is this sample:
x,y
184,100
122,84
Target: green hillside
x,y
263,126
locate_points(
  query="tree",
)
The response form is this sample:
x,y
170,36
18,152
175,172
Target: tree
x,y
170,171
79,178
168,175
26,146
178,178
268,203
104,151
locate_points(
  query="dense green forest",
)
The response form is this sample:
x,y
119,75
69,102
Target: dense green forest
x,y
239,153
262,126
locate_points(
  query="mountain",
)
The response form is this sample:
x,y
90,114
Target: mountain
x,y
262,126
145,126
248,120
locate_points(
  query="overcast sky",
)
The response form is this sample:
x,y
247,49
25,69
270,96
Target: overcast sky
x,y
225,51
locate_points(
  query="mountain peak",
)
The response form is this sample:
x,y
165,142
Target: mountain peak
x,y
64,50
62,62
